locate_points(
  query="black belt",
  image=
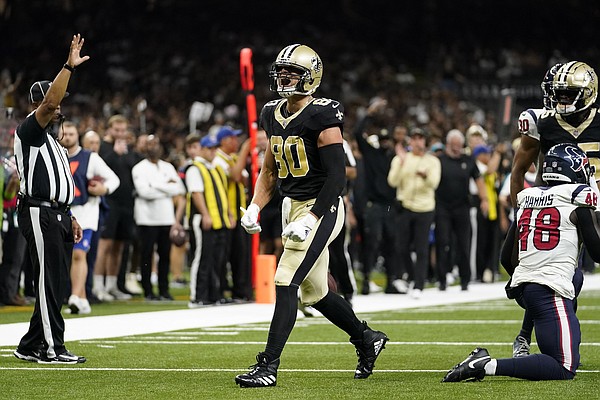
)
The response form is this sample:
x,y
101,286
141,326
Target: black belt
x,y
53,204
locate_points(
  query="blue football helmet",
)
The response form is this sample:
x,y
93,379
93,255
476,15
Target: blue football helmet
x,y
549,100
566,163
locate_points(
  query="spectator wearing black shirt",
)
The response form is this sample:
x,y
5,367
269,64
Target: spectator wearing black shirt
x,y
452,218
119,226
379,214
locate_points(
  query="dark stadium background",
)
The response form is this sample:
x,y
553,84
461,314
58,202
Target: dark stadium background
x,y
175,52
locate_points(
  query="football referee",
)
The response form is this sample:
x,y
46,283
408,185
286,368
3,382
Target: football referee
x,y
45,192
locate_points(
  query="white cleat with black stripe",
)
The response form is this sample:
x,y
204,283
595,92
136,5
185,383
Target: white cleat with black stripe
x,y
262,374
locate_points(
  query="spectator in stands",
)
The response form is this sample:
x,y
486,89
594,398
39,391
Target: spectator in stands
x,y
119,225
452,208
379,216
13,242
238,240
91,141
156,184
488,234
209,219
93,179
415,175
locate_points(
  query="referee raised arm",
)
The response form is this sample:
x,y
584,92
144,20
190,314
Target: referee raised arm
x,y
45,192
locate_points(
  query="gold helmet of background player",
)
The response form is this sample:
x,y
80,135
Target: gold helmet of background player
x,y
575,87
297,70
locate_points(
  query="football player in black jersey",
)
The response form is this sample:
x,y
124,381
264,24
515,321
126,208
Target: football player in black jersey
x,y
570,117
305,154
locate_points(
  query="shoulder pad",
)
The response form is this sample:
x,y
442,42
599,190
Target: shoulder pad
x,y
273,103
584,196
528,121
331,112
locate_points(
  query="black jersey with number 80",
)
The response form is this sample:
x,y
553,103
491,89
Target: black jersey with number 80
x,y
293,141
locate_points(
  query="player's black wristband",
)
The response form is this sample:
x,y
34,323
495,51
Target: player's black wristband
x,y
69,68
334,163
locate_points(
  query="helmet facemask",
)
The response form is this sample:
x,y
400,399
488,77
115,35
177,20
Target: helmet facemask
x,y
548,95
568,100
574,88
283,78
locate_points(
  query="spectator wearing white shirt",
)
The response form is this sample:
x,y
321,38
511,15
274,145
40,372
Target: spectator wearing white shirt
x,y
93,179
156,184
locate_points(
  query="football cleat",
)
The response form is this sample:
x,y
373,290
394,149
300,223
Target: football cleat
x,y
28,355
64,358
262,374
521,347
368,349
472,368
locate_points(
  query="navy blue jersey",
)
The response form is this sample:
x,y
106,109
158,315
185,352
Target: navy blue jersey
x,y
294,143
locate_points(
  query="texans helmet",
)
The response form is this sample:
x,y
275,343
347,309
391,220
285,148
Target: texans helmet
x,y
566,163
549,100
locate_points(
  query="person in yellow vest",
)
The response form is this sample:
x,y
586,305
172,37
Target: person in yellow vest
x,y
238,240
488,224
208,212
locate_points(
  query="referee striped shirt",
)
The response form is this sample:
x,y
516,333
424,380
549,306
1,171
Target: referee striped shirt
x,y
42,163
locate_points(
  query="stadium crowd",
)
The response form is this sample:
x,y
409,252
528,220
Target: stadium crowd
x,y
188,99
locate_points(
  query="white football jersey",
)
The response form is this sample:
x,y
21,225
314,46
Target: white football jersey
x,y
527,123
548,240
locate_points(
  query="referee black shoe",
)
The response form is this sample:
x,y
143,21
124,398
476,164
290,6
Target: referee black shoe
x,y
368,349
263,374
28,355
64,358
472,368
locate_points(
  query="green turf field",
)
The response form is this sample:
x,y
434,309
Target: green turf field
x,y
318,362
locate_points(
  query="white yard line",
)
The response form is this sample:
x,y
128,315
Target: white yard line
x,y
112,326
160,341
75,367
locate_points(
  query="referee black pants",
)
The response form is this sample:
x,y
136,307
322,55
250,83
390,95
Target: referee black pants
x,y
49,236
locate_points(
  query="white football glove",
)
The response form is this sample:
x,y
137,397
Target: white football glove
x,y
249,220
298,231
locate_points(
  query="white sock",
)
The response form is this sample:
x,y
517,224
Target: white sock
x,y
99,283
490,367
111,282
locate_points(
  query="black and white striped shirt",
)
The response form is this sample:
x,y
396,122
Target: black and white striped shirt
x,y
42,163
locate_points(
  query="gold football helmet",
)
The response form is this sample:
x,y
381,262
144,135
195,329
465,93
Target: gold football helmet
x,y
575,87
297,70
